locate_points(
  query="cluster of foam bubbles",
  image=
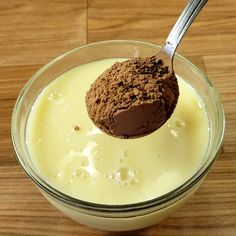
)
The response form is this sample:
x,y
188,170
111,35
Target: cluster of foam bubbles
x,y
123,174
79,173
56,96
81,165
176,126
75,166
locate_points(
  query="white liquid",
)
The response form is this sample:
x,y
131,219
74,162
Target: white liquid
x,y
92,166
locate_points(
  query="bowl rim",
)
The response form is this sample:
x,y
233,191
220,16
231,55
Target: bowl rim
x,y
107,208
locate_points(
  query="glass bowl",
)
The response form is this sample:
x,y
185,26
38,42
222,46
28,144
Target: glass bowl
x,y
116,217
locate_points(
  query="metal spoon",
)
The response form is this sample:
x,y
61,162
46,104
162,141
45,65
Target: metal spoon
x,y
183,23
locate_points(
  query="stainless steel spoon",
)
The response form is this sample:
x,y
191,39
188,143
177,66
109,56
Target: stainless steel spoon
x,y
183,23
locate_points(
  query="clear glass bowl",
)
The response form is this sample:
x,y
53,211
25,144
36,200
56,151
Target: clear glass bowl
x,y
117,217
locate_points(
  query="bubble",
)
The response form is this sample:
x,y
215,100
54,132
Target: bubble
x,y
80,173
174,133
121,160
56,96
123,174
110,176
178,124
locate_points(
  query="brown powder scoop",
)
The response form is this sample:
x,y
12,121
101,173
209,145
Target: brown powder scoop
x,y
136,97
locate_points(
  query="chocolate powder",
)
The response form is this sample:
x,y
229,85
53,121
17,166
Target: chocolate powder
x,y
133,98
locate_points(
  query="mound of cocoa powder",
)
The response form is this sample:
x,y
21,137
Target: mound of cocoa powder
x,y
133,98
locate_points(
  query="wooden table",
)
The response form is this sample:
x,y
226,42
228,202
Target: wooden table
x,y
32,32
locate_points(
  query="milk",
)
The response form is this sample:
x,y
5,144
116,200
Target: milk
x,y
75,157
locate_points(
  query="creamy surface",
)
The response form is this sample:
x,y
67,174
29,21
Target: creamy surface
x,y
75,157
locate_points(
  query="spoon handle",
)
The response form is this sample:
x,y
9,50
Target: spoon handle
x,y
182,24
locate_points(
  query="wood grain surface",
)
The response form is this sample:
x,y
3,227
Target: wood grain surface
x,y
32,32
